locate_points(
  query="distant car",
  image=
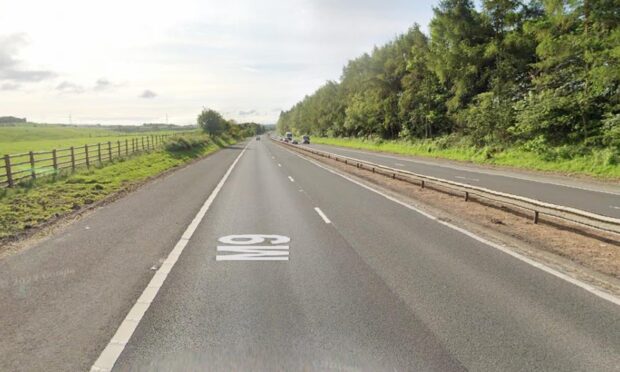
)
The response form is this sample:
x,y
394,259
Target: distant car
x,y
294,142
305,140
286,139
258,138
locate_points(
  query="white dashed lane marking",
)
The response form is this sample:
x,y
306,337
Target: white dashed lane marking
x,y
291,179
323,216
467,178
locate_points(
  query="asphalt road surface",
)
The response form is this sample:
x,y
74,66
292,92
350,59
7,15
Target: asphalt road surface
x,y
587,196
284,265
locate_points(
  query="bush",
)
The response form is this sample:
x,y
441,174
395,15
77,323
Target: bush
x,y
185,143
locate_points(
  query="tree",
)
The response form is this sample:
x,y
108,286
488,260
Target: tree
x,y
458,39
515,72
576,88
422,102
212,122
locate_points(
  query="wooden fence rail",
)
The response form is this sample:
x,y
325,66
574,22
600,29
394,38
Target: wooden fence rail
x,y
33,164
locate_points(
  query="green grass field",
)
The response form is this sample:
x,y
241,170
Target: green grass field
x,y
29,205
600,163
42,137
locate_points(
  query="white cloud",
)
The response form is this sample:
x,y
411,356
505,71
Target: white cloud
x,y
148,94
69,87
9,86
11,68
235,56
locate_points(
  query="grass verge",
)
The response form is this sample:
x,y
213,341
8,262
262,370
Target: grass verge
x,y
30,205
599,163
24,138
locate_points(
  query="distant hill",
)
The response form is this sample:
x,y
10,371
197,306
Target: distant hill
x,y
11,120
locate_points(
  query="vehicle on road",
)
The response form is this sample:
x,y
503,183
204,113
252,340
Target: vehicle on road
x,y
305,140
289,136
258,138
295,142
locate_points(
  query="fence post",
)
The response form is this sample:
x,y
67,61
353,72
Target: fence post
x,y
126,147
55,160
466,196
32,171
72,159
9,175
148,145
99,152
119,148
86,153
110,150
142,143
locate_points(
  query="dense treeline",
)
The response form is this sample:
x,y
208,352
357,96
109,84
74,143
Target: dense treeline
x,y
214,123
538,74
11,120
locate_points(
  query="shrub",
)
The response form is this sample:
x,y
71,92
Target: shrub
x,y
185,143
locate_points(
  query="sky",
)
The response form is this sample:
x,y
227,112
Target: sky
x,y
138,61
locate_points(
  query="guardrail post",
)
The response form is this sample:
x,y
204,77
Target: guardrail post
x,y
466,196
33,173
422,184
99,152
54,160
9,175
110,150
393,175
535,216
373,169
72,159
86,156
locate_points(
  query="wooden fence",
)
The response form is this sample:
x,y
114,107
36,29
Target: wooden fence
x,y
33,164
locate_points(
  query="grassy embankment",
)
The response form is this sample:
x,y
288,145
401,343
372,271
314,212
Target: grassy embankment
x,y
29,205
602,164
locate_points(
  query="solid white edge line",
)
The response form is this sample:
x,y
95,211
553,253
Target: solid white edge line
x,y
115,347
291,179
323,216
595,291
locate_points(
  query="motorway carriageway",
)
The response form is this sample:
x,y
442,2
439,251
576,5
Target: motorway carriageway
x,y
603,199
258,259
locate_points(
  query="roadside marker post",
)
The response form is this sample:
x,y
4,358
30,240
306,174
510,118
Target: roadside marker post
x,y
32,169
9,175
